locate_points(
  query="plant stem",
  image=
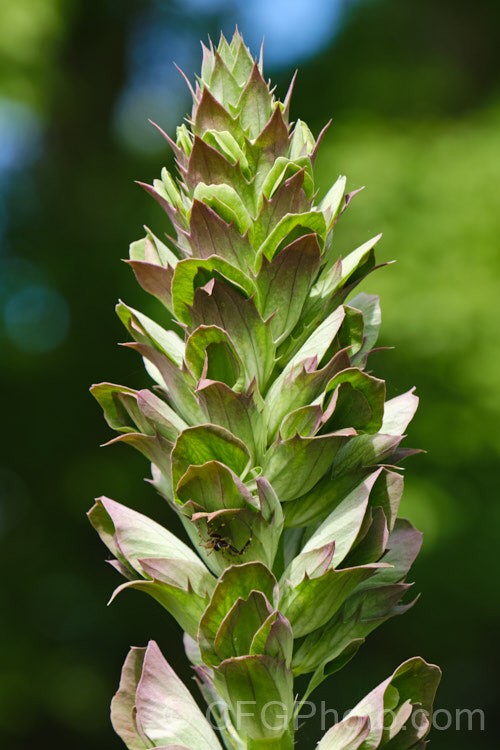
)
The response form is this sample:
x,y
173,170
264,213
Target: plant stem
x,y
285,742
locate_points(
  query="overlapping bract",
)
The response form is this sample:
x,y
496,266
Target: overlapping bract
x,y
397,714
265,433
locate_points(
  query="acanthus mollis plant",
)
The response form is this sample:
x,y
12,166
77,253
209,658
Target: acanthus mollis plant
x,y
267,437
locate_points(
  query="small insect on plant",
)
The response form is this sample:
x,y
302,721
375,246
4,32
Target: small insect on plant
x,y
216,542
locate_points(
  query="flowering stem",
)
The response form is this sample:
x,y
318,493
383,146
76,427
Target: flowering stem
x,y
286,742
267,436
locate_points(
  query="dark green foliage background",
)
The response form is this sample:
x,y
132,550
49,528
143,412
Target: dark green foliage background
x,y
414,89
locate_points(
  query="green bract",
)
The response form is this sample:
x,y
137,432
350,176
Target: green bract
x,y
266,435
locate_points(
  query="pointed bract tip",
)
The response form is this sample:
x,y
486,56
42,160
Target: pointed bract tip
x,y
222,40
188,82
164,134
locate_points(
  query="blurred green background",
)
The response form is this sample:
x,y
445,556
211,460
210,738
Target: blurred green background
x,y
414,90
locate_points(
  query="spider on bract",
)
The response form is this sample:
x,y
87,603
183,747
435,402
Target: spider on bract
x,y
218,543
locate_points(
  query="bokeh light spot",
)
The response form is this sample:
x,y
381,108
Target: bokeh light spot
x,y
139,104
37,319
431,510
20,135
292,29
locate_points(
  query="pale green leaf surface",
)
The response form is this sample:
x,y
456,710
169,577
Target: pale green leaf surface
x,y
227,145
203,443
332,202
364,451
294,466
304,421
300,386
200,349
347,735
238,628
313,221
178,382
303,141
414,680
312,602
106,394
237,412
398,413
254,103
146,331
211,234
386,493
123,703
318,503
257,683
213,486
166,710
357,257
274,638
185,281
226,202
320,340
236,581
373,389
284,283
136,536
343,523
223,306
369,306
312,564
155,280
403,546
160,414
281,171
184,604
